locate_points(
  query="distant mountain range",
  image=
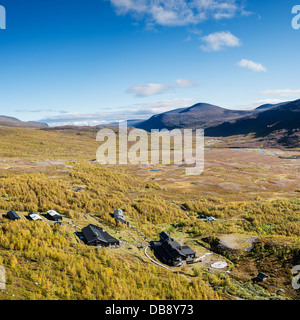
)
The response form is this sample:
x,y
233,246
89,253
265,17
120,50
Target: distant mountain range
x,y
281,121
271,124
278,123
14,122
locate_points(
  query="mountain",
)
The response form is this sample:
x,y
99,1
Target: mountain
x,y
201,115
14,122
281,122
270,106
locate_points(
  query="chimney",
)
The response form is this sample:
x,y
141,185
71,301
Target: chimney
x,y
181,241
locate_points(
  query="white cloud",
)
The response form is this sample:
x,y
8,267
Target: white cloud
x,y
185,83
147,90
179,12
283,92
219,40
151,89
254,66
164,105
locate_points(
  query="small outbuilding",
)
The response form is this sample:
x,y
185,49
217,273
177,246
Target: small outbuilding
x,y
34,216
261,277
119,216
12,215
210,219
53,215
96,236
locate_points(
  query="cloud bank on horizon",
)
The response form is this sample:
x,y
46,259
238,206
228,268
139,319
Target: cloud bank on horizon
x,y
139,111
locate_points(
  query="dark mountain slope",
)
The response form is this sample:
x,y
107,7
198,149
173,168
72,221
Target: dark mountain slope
x,y
200,115
276,127
284,117
270,106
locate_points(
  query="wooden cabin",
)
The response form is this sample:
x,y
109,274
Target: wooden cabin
x,y
171,252
96,236
12,215
53,215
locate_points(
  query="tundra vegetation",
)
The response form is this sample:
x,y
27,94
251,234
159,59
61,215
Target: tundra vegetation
x,y
54,169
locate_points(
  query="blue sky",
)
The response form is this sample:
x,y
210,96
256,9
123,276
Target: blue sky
x,y
88,62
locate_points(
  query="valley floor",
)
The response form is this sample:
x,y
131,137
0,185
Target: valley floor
x,y
252,193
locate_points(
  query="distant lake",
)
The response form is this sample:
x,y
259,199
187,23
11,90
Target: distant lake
x,y
259,150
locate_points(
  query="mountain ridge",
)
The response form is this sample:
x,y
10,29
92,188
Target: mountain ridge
x,y
279,126
285,116
7,121
201,115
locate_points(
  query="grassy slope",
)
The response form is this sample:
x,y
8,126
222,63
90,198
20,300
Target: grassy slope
x,y
42,144
45,262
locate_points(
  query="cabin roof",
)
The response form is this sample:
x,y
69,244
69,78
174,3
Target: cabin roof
x,y
165,236
53,213
261,275
167,252
118,212
94,233
13,215
182,250
187,250
34,216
